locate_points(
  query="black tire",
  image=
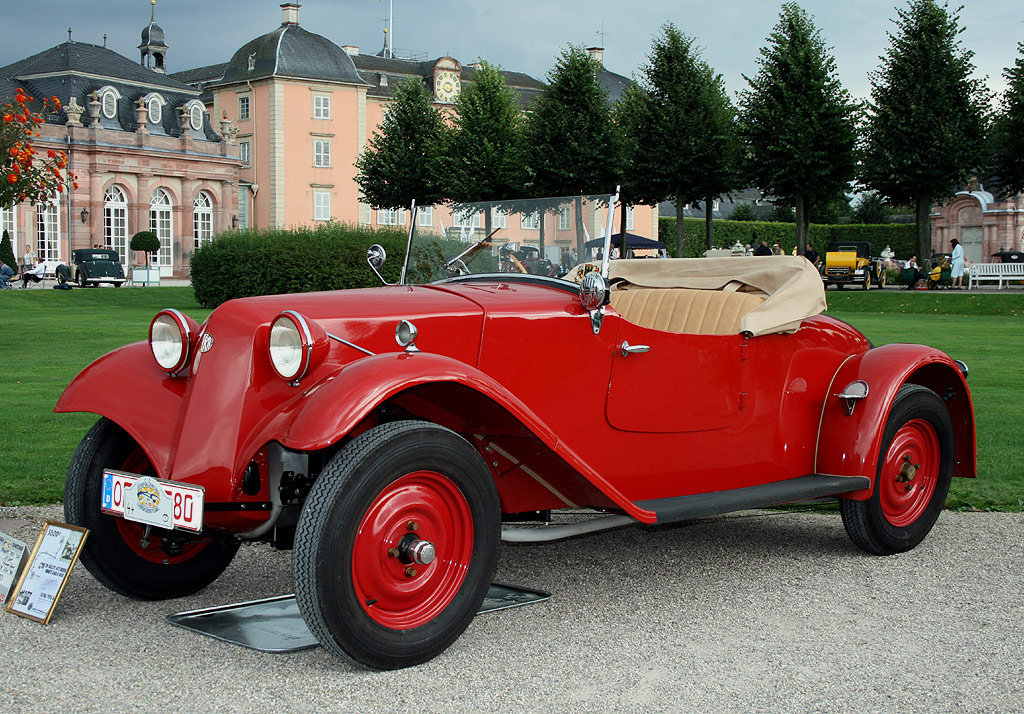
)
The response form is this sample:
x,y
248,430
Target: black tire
x,y
80,279
899,514
352,593
867,279
881,279
116,285
187,565
61,277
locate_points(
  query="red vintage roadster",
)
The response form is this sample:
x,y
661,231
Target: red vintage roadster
x,y
391,435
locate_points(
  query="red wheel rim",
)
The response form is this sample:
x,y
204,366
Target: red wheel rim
x,y
387,591
909,473
132,533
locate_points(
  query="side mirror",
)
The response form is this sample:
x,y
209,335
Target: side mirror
x,y
375,256
593,297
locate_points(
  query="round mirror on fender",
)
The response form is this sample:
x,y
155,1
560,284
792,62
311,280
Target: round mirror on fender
x,y
593,291
376,255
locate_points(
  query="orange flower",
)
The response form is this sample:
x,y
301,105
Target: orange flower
x,y
75,184
12,178
51,153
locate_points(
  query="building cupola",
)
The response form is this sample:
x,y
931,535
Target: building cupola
x,y
290,13
153,47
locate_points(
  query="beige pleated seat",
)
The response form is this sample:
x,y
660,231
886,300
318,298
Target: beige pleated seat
x,y
683,310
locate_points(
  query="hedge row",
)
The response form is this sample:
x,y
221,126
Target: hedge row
x,y
902,238
276,261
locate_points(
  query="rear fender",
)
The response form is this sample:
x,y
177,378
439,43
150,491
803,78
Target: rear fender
x,y
335,406
127,387
850,445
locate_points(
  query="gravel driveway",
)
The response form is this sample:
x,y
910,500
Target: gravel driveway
x,y
756,611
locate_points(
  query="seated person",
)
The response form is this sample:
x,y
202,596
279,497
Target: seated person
x,y
936,273
35,274
6,273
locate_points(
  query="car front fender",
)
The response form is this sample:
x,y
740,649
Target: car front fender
x,y
849,445
332,408
127,387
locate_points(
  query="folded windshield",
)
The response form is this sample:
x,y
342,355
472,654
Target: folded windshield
x,y
544,236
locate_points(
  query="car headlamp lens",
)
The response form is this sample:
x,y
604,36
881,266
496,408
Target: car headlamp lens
x,y
290,345
169,339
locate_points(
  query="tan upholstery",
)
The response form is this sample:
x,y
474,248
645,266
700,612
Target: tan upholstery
x,y
698,312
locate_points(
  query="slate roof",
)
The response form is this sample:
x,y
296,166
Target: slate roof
x,y
290,51
153,35
76,69
201,76
614,84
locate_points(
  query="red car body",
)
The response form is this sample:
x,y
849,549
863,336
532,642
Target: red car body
x,y
557,411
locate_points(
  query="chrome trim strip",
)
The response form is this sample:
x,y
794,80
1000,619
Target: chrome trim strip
x,y
408,243
606,258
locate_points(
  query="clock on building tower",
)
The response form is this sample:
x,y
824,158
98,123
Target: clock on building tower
x,y
446,86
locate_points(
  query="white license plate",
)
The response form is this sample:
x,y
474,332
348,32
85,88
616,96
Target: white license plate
x,y
153,501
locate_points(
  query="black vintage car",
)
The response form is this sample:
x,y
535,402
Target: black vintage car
x,y
92,266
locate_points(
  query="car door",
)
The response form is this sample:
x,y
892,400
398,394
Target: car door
x,y
666,382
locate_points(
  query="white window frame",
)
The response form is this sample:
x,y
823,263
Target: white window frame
x,y
202,219
321,205
195,116
245,151
9,223
244,102
154,109
115,221
161,222
564,218
530,221
499,218
629,219
321,106
322,153
461,220
111,94
425,216
48,229
390,217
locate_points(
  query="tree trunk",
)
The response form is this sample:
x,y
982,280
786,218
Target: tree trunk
x,y
924,229
708,205
801,222
680,237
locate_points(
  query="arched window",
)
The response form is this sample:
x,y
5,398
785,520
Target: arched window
x,y
115,222
9,223
48,229
202,219
160,223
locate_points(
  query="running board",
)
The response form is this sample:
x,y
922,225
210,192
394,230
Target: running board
x,y
680,508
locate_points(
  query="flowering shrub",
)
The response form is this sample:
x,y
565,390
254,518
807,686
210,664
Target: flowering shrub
x,y
24,174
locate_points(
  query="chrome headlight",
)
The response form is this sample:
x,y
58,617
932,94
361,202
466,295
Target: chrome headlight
x,y
170,339
296,344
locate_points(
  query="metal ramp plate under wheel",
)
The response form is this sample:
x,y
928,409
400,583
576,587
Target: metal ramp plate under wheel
x,y
276,625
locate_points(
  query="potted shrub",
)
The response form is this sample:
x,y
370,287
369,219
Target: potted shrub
x,y
145,242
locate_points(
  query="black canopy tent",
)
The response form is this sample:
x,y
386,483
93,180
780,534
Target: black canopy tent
x,y
632,241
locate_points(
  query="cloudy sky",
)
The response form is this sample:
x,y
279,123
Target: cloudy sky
x,y
524,35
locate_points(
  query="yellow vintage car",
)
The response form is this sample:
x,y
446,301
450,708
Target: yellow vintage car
x,y
850,262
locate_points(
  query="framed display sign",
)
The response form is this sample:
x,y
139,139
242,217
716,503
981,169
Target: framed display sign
x,y
12,557
46,573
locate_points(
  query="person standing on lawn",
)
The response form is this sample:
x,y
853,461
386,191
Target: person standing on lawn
x,y
956,271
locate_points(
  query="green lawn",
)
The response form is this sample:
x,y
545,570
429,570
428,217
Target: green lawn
x,y
50,335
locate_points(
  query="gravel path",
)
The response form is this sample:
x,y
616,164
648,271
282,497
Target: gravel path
x,y
757,611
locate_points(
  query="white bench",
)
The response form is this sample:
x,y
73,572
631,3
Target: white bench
x,y
995,273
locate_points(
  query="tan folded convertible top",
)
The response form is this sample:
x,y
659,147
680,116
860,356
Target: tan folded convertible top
x,y
790,285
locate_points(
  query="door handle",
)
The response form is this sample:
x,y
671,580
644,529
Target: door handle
x,y
628,349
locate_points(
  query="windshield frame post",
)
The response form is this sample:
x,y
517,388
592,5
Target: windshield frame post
x,y
408,242
606,253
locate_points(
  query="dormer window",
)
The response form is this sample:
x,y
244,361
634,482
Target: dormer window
x,y
108,100
154,110
195,116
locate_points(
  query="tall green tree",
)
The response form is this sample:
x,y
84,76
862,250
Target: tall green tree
x,y
484,157
1008,130
798,122
679,132
401,161
926,120
570,143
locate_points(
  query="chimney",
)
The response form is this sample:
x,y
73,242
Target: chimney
x,y
596,53
290,13
352,50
